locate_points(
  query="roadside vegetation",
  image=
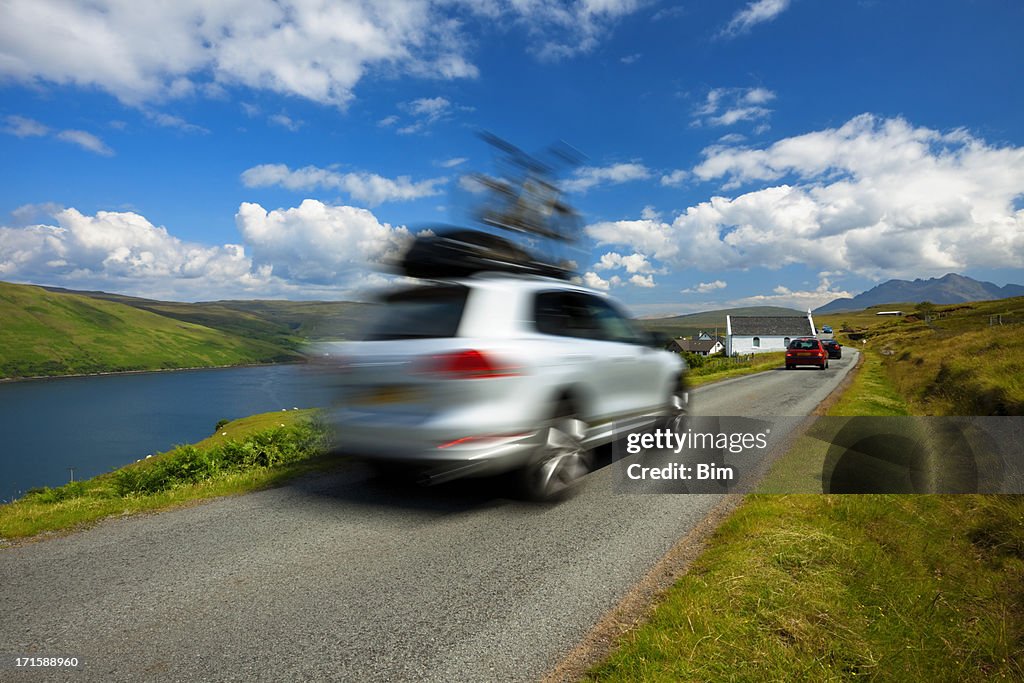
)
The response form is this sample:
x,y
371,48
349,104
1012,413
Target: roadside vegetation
x,y
243,455
886,587
54,333
821,588
960,359
704,370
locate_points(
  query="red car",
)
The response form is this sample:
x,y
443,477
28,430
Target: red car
x,y
806,351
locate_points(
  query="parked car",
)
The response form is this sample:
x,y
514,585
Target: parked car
x,y
498,372
833,348
806,351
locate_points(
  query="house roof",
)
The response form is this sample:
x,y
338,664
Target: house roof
x,y
790,325
696,346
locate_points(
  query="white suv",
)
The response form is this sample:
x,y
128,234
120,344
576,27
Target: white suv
x,y
498,372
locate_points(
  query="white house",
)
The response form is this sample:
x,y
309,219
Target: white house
x,y
762,333
699,346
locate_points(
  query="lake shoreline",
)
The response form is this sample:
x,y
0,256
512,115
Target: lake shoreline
x,y
116,373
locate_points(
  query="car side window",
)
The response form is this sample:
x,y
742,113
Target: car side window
x,y
565,314
613,325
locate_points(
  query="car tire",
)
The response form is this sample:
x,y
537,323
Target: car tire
x,y
678,406
561,461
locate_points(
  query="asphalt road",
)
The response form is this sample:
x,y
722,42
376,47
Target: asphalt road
x,y
347,578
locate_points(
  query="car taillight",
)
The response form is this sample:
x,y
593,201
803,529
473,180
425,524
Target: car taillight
x,y
468,364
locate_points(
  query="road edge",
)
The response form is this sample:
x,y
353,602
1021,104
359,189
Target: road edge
x,y
635,607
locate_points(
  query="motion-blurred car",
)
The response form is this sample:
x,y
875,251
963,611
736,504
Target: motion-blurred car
x,y
497,372
833,348
806,351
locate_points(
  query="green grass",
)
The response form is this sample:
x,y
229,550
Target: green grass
x,y
717,369
823,588
956,363
830,587
52,333
244,455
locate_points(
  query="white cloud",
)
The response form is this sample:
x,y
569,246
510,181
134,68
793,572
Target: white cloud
x,y
85,141
307,251
317,242
594,281
753,14
675,178
364,187
149,52
631,59
876,197
705,287
388,121
563,30
453,162
728,106
115,249
589,176
783,296
144,52
634,263
431,108
646,281
286,122
171,121
22,127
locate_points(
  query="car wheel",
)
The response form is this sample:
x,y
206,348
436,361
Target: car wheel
x,y
678,406
788,366
561,460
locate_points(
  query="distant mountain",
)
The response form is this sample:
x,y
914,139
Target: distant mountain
x,y
709,321
948,289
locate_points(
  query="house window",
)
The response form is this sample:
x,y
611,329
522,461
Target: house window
x,y
757,342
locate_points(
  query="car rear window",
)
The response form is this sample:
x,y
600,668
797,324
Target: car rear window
x,y
804,344
420,313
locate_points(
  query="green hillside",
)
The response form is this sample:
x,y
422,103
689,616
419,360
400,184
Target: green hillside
x,y
277,321
955,359
54,333
707,321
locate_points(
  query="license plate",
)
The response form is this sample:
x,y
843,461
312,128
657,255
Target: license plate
x,y
388,395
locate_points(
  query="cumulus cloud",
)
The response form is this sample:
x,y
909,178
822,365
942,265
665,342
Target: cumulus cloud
x,y
753,14
634,263
314,249
364,187
728,106
877,197
589,177
705,287
802,299
675,178
316,242
595,281
320,51
111,249
142,52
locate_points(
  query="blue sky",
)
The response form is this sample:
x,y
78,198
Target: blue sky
x,y
778,151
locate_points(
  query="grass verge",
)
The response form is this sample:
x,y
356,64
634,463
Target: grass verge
x,y
244,455
837,587
717,369
840,587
